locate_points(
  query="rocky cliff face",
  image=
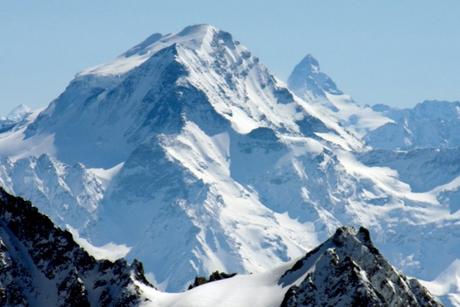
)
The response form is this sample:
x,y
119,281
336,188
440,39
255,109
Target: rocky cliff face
x,y
41,265
348,270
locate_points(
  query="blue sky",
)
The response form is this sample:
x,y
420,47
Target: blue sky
x,y
397,52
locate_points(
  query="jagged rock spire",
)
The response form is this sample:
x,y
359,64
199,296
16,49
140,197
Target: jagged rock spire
x,y
307,80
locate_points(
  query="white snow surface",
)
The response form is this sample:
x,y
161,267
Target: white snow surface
x,y
430,124
309,83
447,285
14,145
109,251
190,152
254,290
361,118
19,113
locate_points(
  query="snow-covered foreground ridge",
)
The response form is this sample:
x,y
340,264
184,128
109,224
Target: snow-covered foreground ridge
x,y
43,266
190,154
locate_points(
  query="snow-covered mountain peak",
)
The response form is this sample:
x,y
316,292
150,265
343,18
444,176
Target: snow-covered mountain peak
x,y
188,142
142,48
200,74
195,33
307,80
17,117
198,31
430,124
309,63
438,109
19,112
193,37
349,270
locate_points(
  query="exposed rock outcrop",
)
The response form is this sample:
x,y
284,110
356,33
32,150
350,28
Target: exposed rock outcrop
x,y
41,265
348,270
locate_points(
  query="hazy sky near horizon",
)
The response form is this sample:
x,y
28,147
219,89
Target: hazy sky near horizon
x,y
397,52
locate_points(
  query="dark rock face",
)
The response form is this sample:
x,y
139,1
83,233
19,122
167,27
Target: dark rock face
x,y
213,277
348,270
42,265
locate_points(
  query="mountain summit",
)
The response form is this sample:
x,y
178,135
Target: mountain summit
x,y
156,144
200,74
307,80
348,270
189,152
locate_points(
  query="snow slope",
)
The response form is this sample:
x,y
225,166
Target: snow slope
x,y
16,117
430,124
187,150
446,285
346,270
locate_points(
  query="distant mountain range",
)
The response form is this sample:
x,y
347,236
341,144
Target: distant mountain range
x,y
187,153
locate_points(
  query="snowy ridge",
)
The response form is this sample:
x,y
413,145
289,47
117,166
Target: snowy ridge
x,y
430,124
417,146
311,84
191,37
65,192
347,270
15,118
191,153
13,143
